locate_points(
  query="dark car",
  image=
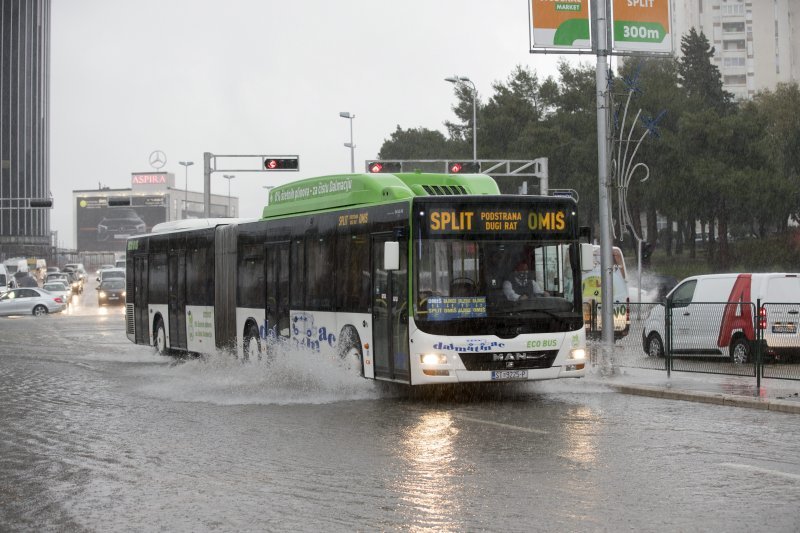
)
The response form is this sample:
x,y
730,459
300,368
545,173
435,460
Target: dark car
x,y
24,279
120,224
111,292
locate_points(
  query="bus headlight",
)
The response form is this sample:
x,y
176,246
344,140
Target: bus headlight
x,y
433,359
577,353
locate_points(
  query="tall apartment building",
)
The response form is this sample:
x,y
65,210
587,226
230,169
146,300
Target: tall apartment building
x,y
756,42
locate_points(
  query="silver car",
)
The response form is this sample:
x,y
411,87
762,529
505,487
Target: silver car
x,y
59,288
30,301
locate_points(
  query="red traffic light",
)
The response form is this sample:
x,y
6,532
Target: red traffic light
x,y
463,168
281,163
376,167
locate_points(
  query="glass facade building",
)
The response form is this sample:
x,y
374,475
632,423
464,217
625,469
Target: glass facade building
x,y
24,128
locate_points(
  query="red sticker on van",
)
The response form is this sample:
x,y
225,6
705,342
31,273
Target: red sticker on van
x,y
737,317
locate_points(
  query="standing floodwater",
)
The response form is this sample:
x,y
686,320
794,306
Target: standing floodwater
x,y
97,434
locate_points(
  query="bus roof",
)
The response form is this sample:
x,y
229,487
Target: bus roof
x,y
330,192
193,223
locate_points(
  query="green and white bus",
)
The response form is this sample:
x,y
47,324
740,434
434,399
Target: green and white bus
x,y
400,276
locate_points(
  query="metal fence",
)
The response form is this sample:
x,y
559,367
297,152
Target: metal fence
x,y
743,339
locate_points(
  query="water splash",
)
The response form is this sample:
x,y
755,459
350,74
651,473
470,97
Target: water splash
x,y
287,377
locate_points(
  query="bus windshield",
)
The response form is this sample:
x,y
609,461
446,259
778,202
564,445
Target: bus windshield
x,y
459,279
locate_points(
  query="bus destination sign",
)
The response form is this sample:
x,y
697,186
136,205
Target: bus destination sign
x,y
449,221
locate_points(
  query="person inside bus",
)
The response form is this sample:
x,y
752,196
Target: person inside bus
x,y
520,285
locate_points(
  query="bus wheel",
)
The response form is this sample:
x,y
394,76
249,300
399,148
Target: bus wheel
x,y
160,340
350,350
740,351
251,347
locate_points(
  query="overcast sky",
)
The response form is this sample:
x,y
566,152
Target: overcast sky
x,y
260,77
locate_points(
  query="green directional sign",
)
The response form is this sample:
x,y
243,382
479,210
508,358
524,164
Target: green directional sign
x,y
641,25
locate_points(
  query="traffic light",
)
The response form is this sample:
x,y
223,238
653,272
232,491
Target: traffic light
x,y
458,167
281,163
384,167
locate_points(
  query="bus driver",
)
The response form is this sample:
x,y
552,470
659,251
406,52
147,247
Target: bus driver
x,y
520,285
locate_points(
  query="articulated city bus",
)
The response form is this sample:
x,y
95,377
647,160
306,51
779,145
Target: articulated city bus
x,y
404,277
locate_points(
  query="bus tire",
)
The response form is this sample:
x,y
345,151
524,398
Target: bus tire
x,y
740,350
251,345
349,349
160,337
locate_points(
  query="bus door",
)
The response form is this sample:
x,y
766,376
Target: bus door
x,y
177,299
140,299
389,313
277,282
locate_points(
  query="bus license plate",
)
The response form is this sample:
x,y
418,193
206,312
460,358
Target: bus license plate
x,y
509,374
787,327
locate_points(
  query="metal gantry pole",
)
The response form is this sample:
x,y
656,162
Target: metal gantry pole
x,y
207,184
606,263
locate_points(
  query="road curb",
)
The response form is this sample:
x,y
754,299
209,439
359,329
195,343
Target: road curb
x,y
767,404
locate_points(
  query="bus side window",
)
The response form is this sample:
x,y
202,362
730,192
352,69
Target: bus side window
x,y
352,270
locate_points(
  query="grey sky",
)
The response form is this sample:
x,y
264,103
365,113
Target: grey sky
x,y
252,77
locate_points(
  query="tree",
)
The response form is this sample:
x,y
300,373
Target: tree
x,y
699,77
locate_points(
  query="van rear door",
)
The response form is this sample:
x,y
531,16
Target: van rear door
x,y
781,300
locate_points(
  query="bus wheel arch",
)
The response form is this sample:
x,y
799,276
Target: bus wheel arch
x,y
251,341
349,349
160,335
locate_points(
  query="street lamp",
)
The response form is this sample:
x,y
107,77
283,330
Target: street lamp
x,y
229,177
459,80
186,165
347,115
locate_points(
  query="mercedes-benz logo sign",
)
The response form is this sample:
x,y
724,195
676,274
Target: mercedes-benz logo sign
x,y
158,159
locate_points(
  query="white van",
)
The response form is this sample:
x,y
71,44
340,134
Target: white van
x,y
717,314
6,280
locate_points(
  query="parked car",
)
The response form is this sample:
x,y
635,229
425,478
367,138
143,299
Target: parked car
x,y
30,301
111,273
111,291
59,288
704,324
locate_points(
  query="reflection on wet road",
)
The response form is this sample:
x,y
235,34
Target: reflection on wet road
x,y
98,434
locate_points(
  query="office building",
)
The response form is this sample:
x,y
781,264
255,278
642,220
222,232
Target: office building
x,y
24,128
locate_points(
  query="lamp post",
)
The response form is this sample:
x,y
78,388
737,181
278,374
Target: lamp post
x,y
463,80
347,115
186,165
229,177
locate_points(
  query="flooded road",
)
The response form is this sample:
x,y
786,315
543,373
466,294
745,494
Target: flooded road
x,y
97,434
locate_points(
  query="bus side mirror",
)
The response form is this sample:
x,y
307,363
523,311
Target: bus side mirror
x,y
587,257
391,255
